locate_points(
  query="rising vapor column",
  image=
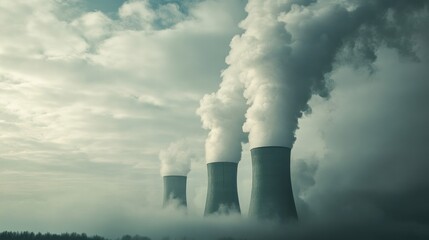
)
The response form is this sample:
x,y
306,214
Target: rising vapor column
x,y
222,113
283,55
272,195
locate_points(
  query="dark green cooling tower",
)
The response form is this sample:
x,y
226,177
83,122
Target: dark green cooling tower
x,y
222,196
272,196
175,190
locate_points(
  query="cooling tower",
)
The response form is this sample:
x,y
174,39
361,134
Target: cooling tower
x,y
222,196
175,190
272,196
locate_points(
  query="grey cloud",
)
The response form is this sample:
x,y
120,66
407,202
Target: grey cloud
x,y
371,176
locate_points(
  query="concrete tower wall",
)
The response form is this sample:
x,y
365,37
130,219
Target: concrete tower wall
x,y
175,190
222,195
272,195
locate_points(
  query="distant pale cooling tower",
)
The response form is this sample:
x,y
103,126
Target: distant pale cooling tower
x,y
272,195
222,196
175,190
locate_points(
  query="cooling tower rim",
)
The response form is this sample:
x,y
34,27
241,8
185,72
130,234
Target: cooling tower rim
x,y
175,176
270,147
211,163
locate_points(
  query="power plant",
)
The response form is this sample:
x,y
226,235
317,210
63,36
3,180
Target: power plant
x,y
222,195
272,195
175,191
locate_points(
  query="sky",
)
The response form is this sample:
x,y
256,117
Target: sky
x,y
96,95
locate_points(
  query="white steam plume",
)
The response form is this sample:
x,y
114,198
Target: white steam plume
x,y
176,159
222,113
287,50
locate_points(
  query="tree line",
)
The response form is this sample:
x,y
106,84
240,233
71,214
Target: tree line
x,y
47,236
7,235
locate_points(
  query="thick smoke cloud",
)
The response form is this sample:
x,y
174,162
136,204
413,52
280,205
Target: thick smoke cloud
x,y
371,174
287,49
375,146
177,158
